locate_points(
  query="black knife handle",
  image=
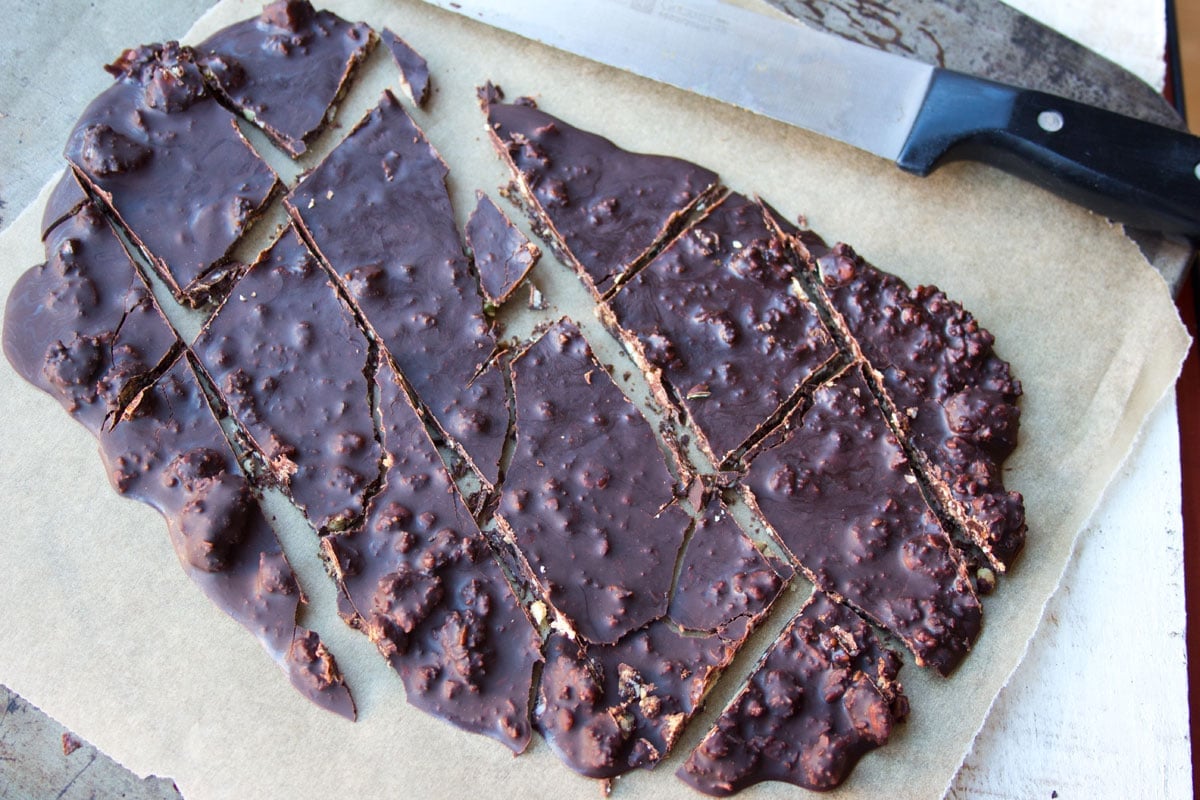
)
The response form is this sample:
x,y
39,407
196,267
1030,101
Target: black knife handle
x,y
1128,170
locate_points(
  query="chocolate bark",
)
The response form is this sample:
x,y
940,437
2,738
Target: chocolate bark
x,y
286,69
418,578
823,696
721,327
414,72
169,161
83,327
378,212
289,360
170,453
945,390
607,709
584,496
840,495
503,255
604,210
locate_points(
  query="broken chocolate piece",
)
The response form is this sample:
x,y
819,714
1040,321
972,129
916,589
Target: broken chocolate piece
x,y
840,495
418,578
285,70
377,211
729,365
502,254
723,577
586,519
414,72
607,709
157,123
823,696
289,360
171,454
604,210
944,388
65,199
83,327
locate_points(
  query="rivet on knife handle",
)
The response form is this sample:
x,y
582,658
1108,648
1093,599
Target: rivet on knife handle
x,y
1130,171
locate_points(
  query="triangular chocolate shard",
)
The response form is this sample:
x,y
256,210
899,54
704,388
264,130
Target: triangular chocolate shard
x,y
285,69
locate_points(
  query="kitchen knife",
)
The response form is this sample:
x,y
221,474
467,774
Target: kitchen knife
x,y
912,113
988,39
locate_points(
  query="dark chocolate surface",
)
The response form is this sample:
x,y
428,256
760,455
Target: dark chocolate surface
x,y
83,327
292,365
286,68
157,123
718,321
65,199
170,453
823,696
607,709
583,493
608,206
839,493
723,576
378,212
952,396
418,578
503,255
414,72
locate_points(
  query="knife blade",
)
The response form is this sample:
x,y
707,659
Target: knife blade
x,y
908,112
989,39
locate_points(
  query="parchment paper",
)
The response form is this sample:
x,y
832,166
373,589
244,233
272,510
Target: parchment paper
x,y
103,631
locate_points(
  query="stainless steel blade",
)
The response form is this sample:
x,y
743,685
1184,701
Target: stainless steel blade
x,y
991,40
770,66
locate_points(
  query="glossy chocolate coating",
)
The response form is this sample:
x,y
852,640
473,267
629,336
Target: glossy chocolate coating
x,y
171,454
83,327
823,696
291,363
840,495
414,72
607,709
720,324
159,150
503,255
607,206
583,493
418,578
378,212
286,68
953,398
723,576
